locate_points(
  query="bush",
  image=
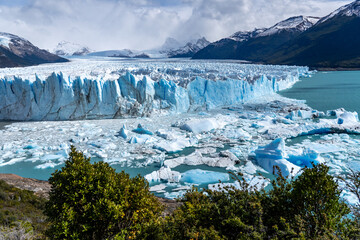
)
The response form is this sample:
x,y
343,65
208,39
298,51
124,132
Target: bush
x,y
227,214
92,201
308,207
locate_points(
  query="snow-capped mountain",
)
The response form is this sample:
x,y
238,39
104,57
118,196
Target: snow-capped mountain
x,y
244,36
352,9
250,45
124,53
332,42
171,48
189,49
298,23
329,42
16,52
170,44
65,48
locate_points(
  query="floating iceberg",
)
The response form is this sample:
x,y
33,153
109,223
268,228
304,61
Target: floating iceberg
x,y
141,139
305,114
175,145
199,176
142,130
197,158
163,174
306,159
201,125
123,132
348,118
273,155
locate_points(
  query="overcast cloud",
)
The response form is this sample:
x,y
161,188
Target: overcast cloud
x,y
144,24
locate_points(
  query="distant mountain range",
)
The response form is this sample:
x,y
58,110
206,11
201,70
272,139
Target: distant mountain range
x,y
254,44
171,48
19,52
189,49
329,42
124,53
66,48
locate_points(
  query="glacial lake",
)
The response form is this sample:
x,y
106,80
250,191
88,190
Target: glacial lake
x,y
328,90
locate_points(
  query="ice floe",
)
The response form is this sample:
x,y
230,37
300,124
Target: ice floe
x,y
199,176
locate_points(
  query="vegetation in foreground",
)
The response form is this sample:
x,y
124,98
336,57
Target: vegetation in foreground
x,y
21,213
92,201
308,207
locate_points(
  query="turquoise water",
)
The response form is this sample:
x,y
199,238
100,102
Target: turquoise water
x,y
328,90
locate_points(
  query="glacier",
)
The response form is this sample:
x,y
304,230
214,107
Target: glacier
x,y
177,123
123,90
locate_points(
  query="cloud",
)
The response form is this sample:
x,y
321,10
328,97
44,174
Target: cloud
x,y
216,19
143,24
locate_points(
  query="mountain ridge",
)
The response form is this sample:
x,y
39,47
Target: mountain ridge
x,y
328,42
19,52
250,45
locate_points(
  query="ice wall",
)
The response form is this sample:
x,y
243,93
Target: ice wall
x,y
61,97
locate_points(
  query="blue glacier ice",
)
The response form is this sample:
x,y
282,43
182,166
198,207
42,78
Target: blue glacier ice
x,y
307,159
123,132
114,90
274,154
142,130
199,176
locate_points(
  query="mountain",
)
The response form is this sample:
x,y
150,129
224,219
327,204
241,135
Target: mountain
x,y
253,45
65,48
19,52
171,48
189,49
124,53
244,36
170,44
334,42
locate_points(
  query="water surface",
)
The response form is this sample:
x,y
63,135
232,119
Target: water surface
x,y
328,90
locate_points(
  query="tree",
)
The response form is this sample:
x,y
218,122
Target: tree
x,y
92,201
316,201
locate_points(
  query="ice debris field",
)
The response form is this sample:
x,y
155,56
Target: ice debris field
x,y
177,123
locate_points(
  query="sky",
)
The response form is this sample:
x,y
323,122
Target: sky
x,y
145,24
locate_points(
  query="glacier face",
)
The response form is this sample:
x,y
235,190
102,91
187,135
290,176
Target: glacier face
x,y
128,88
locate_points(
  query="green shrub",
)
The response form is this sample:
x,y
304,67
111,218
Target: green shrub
x,y
308,207
92,201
